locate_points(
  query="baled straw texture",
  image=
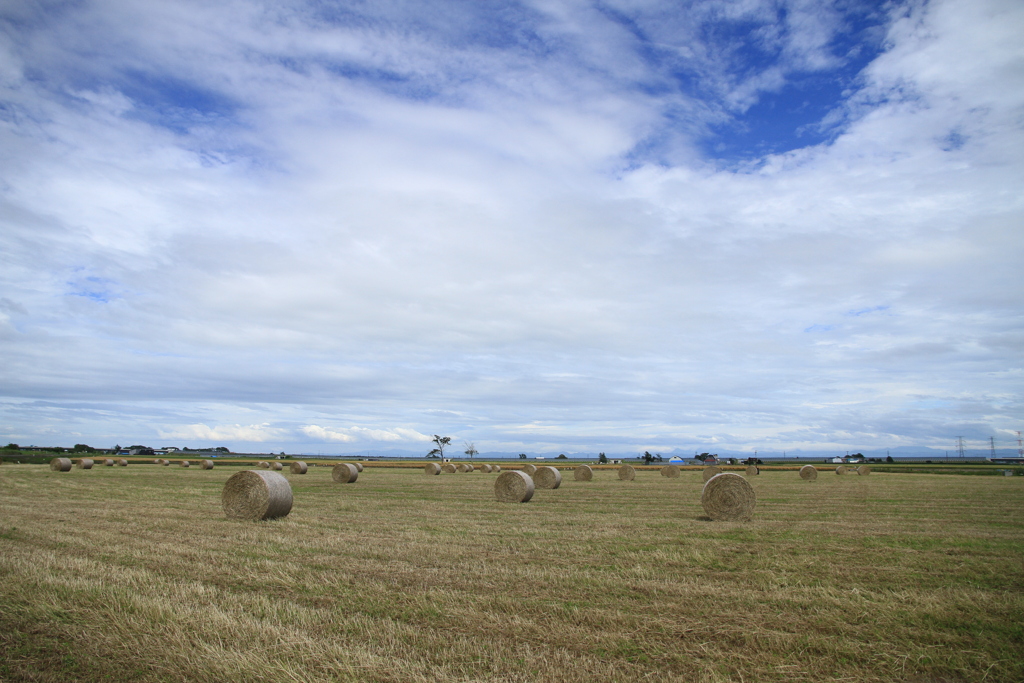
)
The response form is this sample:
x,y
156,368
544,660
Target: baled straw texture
x,y
529,468
583,473
710,472
627,473
495,468
122,463
462,467
256,495
469,467
432,468
485,468
344,473
808,472
185,463
670,471
728,497
206,464
841,469
752,470
359,466
298,467
513,486
863,470
264,464
85,464
60,464
547,478
276,466
449,468
108,463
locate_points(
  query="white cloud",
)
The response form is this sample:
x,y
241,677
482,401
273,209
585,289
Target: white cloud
x,y
221,433
353,434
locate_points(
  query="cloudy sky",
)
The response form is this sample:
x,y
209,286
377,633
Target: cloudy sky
x,y
546,225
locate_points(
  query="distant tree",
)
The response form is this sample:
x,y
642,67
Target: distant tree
x,y
888,458
83,448
441,442
704,457
470,449
561,456
522,456
647,457
222,449
11,447
602,458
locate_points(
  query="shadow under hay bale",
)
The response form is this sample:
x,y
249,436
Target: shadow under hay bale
x,y
547,478
728,497
710,472
206,464
863,470
122,463
670,471
808,473
583,473
85,464
432,468
841,470
753,470
513,486
345,473
449,468
298,467
60,465
255,495
529,469
627,473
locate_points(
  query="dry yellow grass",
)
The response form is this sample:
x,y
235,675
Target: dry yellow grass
x,y
880,578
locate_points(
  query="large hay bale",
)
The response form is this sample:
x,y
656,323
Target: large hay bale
x,y
627,473
345,473
432,468
710,472
495,468
753,470
206,464
529,468
185,463
256,495
85,464
60,464
583,473
841,469
513,486
485,468
808,472
863,470
547,478
670,471
728,497
298,467
108,462
449,468
122,463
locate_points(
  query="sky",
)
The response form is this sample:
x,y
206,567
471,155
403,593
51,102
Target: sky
x,y
539,226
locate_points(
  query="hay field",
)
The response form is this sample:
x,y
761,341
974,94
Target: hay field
x,y
135,574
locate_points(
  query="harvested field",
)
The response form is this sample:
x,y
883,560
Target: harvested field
x,y
890,577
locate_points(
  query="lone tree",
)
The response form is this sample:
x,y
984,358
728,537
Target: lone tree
x,y
601,457
441,442
522,456
471,449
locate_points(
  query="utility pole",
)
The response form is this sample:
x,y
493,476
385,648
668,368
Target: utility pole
x,y
1020,446
992,445
960,446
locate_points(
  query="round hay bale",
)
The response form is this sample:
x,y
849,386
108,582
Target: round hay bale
x,y
627,473
461,467
122,463
298,467
60,464
529,469
165,463
276,466
185,463
157,461
485,468
583,473
808,473
547,478
85,464
841,469
256,495
359,466
513,486
495,468
264,464
345,473
108,462
670,471
863,470
710,472
449,468
206,464
752,470
728,497
469,467
432,468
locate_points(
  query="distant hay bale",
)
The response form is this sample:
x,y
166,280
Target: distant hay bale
x,y
276,466
469,467
513,486
345,473
710,472
752,470
841,469
670,471
485,468
450,468
808,472
165,462
583,473
256,495
495,468
85,464
863,470
264,464
461,467
529,468
432,468
298,467
108,462
728,497
206,464
60,464
122,463
547,478
627,473
157,461
185,463
358,466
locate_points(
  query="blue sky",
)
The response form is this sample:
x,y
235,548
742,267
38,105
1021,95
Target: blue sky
x,y
541,226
